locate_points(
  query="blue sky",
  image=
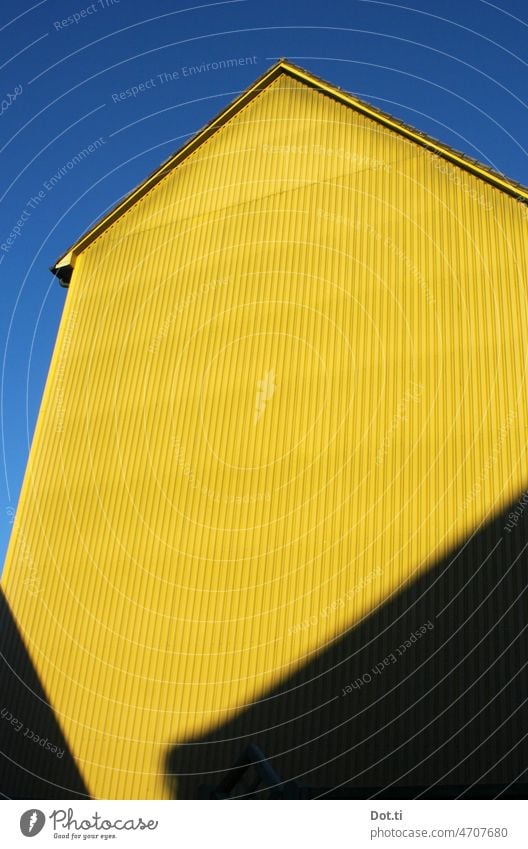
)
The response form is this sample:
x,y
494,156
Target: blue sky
x,y
456,70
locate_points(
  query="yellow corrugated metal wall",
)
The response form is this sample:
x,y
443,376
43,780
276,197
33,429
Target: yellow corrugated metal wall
x,y
288,378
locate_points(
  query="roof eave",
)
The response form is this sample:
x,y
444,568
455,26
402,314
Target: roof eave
x,y
63,268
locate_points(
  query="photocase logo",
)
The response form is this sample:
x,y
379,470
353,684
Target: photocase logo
x,y
32,822
265,392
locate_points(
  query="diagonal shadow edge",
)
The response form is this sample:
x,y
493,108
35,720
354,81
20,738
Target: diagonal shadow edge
x,y
446,718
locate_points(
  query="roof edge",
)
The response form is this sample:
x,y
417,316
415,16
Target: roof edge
x,y
63,267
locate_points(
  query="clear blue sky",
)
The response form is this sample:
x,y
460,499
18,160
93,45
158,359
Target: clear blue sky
x,y
456,70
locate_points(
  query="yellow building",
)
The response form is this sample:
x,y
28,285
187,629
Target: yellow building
x,y
284,424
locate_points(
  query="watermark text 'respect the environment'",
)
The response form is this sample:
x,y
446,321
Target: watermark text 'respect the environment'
x,y
82,14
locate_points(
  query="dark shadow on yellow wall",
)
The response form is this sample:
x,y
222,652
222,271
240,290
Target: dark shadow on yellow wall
x,y
35,762
442,712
